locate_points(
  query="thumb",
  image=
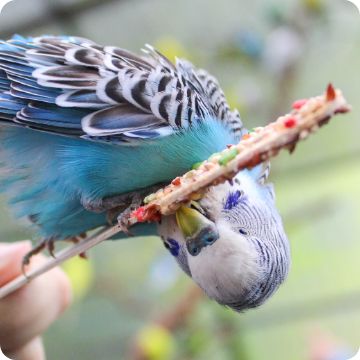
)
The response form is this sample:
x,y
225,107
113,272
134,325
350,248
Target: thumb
x,y
33,350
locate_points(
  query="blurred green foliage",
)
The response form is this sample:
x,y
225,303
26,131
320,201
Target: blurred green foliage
x,y
126,285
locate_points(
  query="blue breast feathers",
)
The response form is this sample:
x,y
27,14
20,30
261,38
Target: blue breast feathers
x,y
47,175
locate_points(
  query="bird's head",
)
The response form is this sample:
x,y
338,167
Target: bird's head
x,y
232,242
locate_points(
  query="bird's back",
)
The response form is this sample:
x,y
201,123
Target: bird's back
x,y
78,123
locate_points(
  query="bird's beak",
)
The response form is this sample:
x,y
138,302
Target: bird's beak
x,y
197,229
190,221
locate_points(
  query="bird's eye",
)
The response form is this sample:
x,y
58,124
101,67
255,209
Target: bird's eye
x,y
243,231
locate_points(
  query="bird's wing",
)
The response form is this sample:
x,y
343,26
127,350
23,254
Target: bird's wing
x,y
209,87
73,86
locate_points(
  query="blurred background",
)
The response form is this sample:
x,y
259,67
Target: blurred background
x,y
131,300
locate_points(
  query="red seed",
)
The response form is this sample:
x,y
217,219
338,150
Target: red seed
x,y
156,217
176,181
146,213
139,214
330,93
290,122
298,104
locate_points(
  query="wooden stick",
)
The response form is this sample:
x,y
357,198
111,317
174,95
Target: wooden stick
x,y
264,143
62,256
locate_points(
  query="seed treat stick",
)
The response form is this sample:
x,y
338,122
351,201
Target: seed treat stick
x,y
306,117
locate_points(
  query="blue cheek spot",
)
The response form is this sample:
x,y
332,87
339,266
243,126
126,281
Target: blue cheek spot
x,y
174,247
232,200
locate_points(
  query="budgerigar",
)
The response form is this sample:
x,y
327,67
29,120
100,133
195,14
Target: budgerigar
x,y
88,130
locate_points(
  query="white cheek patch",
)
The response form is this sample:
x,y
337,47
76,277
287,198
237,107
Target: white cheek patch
x,y
226,269
168,228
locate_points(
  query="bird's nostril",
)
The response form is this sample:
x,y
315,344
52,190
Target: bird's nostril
x,y
208,235
195,250
210,240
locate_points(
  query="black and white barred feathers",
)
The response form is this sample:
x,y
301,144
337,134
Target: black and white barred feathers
x,y
73,86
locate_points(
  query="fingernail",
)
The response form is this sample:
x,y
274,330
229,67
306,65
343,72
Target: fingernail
x,y
8,250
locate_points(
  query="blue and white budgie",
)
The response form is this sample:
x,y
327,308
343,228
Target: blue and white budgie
x,y
87,131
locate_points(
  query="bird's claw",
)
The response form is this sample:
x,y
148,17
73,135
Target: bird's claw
x,y
124,217
112,214
44,244
76,240
123,221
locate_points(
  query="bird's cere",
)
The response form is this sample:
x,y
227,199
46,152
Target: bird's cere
x,y
263,143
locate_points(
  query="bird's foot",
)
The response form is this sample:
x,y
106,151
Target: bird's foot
x,y
124,217
112,214
120,206
76,240
117,203
106,204
47,243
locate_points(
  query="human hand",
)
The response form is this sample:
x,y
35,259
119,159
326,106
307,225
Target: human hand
x,y
26,313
